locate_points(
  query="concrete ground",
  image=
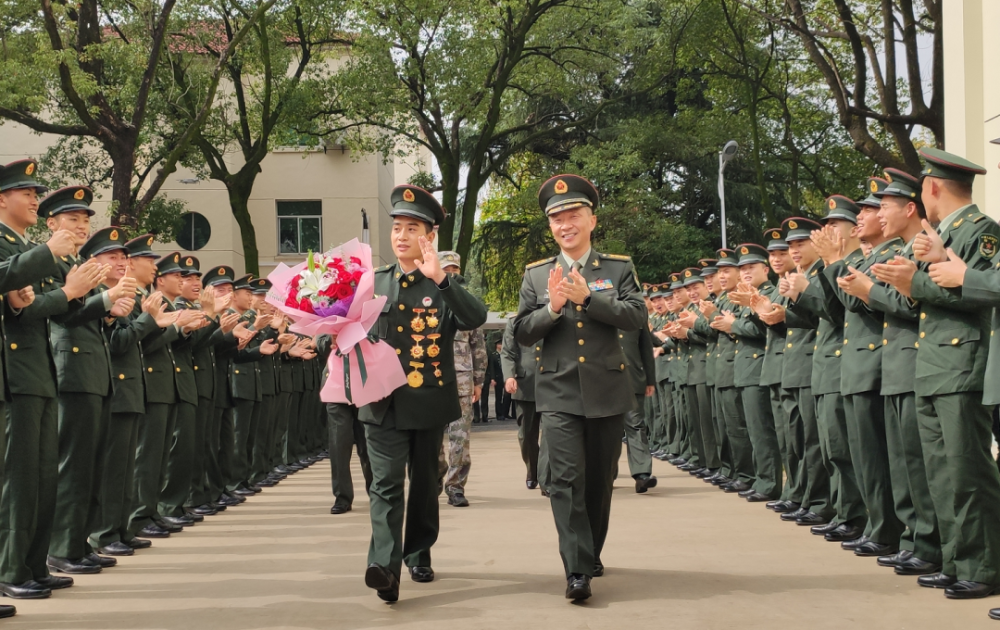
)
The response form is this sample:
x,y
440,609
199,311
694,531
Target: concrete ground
x,y
682,556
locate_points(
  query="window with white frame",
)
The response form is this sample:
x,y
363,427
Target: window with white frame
x,y
300,226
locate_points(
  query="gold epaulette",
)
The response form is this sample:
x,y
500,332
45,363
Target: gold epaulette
x,y
539,263
384,268
615,257
10,238
978,218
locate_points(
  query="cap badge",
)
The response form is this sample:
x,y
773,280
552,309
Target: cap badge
x,y
78,194
561,187
687,274
30,168
888,177
744,251
775,235
114,235
793,225
177,257
149,241
723,255
873,186
188,262
832,204
408,196
703,263
222,271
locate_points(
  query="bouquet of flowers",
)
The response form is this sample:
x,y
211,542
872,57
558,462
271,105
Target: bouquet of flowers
x,y
334,293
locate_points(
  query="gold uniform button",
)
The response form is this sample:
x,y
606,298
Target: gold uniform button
x,y
580,342
405,285
815,347
538,358
121,377
583,360
755,355
149,369
538,348
579,308
845,324
621,336
579,324
75,349
236,371
871,346
13,346
399,329
916,344
922,334
402,308
737,352
837,353
789,345
789,333
541,367
398,351
845,342
622,366
196,368
954,341
885,342
708,354
885,324
923,316
177,369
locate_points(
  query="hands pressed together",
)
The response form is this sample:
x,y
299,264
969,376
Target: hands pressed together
x,y
572,288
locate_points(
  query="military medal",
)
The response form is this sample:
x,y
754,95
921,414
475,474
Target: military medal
x,y
434,348
437,370
417,351
417,323
432,319
415,378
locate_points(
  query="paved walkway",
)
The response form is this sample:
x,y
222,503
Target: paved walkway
x,y
682,556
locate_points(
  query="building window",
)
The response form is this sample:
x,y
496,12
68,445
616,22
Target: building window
x,y
300,224
193,231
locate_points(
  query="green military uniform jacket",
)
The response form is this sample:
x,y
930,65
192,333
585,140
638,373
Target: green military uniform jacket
x,y
80,349
774,344
638,347
800,341
124,337
430,399
519,361
899,335
725,344
861,357
955,331
751,333
697,347
582,367
203,342
665,360
984,287
158,361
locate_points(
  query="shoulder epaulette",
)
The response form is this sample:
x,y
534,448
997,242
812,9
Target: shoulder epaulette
x,y
10,238
384,268
615,257
978,218
539,263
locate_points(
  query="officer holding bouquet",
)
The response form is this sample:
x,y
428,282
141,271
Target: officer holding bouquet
x,y
404,430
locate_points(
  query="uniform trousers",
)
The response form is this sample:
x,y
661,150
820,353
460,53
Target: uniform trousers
x,y
721,433
702,426
110,523
528,426
394,455
83,420
800,406
764,440
964,483
664,431
792,490
865,413
246,414
151,454
732,413
835,448
180,460
227,447
204,421
583,458
215,481
640,462
280,433
682,442
28,502
911,494
346,433
263,439
290,455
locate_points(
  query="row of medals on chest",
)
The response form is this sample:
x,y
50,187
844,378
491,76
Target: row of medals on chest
x,y
419,324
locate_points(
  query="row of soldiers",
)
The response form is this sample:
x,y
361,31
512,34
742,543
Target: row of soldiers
x,y
141,394
852,396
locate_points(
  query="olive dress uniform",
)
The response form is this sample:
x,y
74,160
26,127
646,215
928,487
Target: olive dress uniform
x,y
638,347
519,361
582,401
405,430
708,268
954,422
698,394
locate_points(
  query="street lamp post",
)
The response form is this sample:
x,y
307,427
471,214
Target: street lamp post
x,y
364,226
727,153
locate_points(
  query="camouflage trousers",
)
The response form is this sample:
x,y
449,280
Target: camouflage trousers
x,y
456,460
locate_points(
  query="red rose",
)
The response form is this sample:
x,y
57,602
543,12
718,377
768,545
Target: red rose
x,y
295,282
344,291
356,260
356,276
305,305
291,301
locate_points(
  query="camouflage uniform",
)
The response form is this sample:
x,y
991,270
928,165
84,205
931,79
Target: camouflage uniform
x,y
470,368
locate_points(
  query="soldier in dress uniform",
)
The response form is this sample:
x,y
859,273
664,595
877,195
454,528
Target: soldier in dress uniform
x,y
638,347
519,362
470,370
660,430
405,429
709,272
698,393
955,330
576,303
20,272
263,439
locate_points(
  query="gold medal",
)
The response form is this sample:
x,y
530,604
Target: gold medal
x,y
415,378
432,320
434,349
417,323
417,351
437,370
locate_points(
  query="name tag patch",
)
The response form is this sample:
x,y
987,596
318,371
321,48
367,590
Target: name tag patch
x,y
601,285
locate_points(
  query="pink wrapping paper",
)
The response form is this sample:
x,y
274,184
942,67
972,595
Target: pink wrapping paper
x,y
385,373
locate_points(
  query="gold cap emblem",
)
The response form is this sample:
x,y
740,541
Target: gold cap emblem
x,y
408,196
687,274
177,257
78,194
793,225
149,241
744,251
832,204
723,255
188,262
888,177
222,271
561,187
775,235
261,282
114,235
873,186
30,168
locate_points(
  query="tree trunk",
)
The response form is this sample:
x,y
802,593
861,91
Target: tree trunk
x,y
239,194
122,169
765,200
450,177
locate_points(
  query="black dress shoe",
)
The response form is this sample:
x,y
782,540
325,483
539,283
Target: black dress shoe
x,y
139,543
204,510
894,559
7,611
232,496
677,461
784,507
25,590
178,521
531,484
266,483
116,548
644,482
598,569
101,561
757,497
810,518
340,507
967,589
705,473
458,499
422,574
823,530
154,531
746,493
915,566
381,579
688,467
256,487
794,514
578,587
872,549
698,472
720,481
243,492
197,518
936,580
844,532
166,525
735,486
55,582
72,565
851,545
712,477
